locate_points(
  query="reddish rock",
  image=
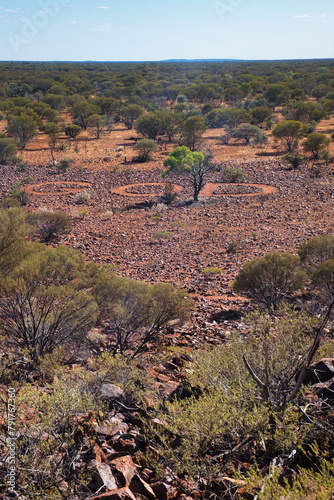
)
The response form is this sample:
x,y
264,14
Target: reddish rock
x,y
120,494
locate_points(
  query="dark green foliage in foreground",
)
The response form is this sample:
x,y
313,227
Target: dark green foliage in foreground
x,y
240,405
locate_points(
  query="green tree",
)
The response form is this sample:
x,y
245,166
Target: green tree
x,y
54,101
169,122
232,94
22,126
72,130
277,94
290,131
150,125
53,132
97,123
260,115
304,112
194,165
145,147
8,150
229,117
271,278
316,142
247,132
192,130
130,113
81,111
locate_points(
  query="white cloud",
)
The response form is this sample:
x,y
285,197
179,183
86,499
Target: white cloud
x,y
10,10
104,27
112,27
323,15
103,7
302,16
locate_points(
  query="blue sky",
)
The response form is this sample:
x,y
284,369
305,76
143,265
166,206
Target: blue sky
x,y
150,30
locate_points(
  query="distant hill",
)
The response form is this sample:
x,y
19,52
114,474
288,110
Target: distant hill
x,y
200,60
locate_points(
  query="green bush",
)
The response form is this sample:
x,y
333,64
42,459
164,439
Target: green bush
x,y
211,271
49,225
227,414
145,147
271,278
231,174
64,164
316,250
8,151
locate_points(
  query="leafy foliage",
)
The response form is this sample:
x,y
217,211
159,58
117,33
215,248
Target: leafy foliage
x,y
270,279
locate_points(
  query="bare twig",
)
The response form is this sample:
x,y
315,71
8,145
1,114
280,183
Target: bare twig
x,y
262,385
311,353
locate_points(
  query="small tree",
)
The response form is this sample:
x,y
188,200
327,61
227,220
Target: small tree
x,y
295,160
270,279
72,130
192,130
315,143
260,115
130,113
97,123
247,132
145,147
22,127
193,165
81,111
149,125
8,151
290,131
53,133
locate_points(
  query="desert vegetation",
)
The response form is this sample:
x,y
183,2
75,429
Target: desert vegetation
x,y
166,271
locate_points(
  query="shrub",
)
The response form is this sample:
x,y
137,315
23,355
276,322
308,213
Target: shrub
x,y
231,174
53,437
169,194
136,313
64,164
162,235
211,271
323,278
8,151
20,196
145,147
271,278
316,250
295,160
49,225
46,302
226,415
82,197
